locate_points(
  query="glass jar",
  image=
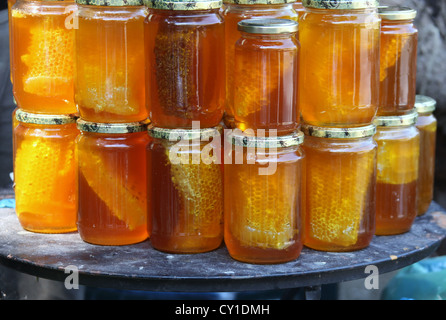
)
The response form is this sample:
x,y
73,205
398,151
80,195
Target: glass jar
x,y
111,183
299,8
427,127
234,12
110,76
340,188
339,62
187,193
185,63
398,62
45,172
265,70
396,184
43,56
263,187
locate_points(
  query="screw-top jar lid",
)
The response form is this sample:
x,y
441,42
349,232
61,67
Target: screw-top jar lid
x,y
425,104
256,2
397,121
48,119
339,133
111,3
268,26
115,128
240,139
186,5
184,134
340,4
397,13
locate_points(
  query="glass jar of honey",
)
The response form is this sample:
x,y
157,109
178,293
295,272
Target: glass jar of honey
x,y
263,186
112,187
110,76
45,172
427,127
265,73
340,188
186,200
398,61
397,175
339,62
234,12
43,56
185,63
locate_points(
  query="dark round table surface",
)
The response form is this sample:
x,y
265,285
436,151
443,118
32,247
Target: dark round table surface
x,y
140,267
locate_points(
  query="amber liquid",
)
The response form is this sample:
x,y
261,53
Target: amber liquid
x,y
265,72
10,4
186,204
396,207
110,82
398,64
185,78
300,9
112,189
339,67
42,58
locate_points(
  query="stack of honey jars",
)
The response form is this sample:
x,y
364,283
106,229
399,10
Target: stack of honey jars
x,y
42,51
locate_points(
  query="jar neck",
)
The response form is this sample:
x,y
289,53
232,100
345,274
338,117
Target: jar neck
x,y
342,11
262,36
397,22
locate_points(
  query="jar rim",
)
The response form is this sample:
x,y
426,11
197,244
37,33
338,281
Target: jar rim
x,y
48,119
184,134
425,104
183,5
239,138
340,4
111,3
260,2
268,26
114,128
397,13
397,121
339,133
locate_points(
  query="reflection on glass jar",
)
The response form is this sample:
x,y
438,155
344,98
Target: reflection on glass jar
x,y
300,9
185,71
45,172
110,76
339,63
427,126
340,188
398,61
111,183
396,184
186,189
263,185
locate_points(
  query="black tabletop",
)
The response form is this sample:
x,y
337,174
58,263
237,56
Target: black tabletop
x,y
140,267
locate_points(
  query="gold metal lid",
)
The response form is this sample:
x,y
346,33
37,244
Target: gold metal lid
x,y
48,119
184,134
258,2
180,5
339,133
397,13
111,3
238,138
396,121
340,4
114,128
268,26
425,104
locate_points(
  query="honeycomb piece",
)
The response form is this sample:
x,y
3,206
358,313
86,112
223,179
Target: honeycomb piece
x,y
49,61
336,206
390,53
43,171
124,201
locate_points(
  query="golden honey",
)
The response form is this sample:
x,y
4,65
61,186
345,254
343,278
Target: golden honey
x,y
110,76
397,173
340,188
299,8
186,200
111,183
398,61
45,172
233,13
264,198
427,127
185,67
43,56
339,63
265,70
10,4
